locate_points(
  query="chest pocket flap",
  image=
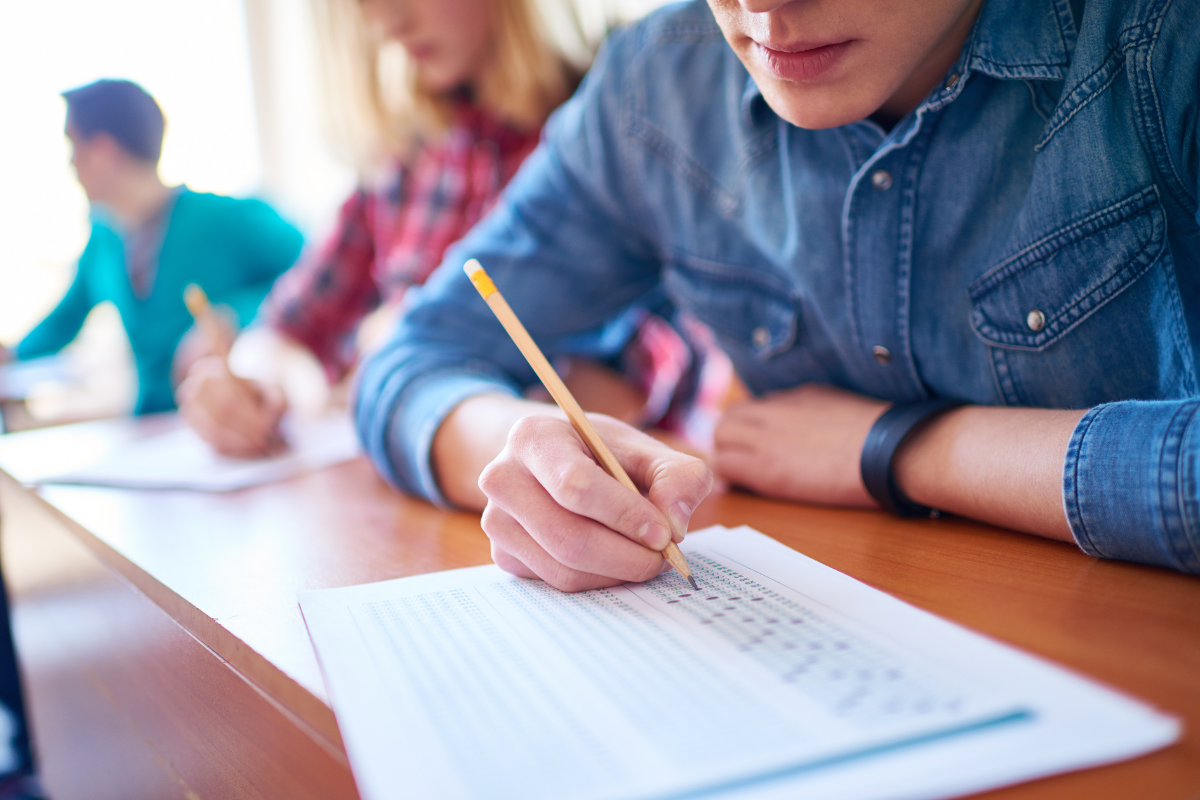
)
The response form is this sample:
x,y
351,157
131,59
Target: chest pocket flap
x,y
1032,299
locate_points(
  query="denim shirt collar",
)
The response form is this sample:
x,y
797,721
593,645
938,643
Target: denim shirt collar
x,y
753,102
1022,40
1011,40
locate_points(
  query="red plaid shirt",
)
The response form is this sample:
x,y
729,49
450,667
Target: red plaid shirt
x,y
393,236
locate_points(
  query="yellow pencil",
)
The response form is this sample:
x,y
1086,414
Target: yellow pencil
x,y
206,319
558,390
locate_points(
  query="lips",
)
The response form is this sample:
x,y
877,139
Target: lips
x,y
800,62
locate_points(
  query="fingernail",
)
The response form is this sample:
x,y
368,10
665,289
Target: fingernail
x,y
654,536
681,514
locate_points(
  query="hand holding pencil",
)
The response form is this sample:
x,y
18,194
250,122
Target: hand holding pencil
x,y
234,415
579,551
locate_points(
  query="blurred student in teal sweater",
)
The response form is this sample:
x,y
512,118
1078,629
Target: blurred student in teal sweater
x,y
149,241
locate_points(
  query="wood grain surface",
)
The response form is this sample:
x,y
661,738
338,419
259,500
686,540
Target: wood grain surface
x,y
226,568
126,705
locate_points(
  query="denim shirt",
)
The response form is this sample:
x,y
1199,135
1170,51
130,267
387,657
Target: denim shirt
x,y
1027,236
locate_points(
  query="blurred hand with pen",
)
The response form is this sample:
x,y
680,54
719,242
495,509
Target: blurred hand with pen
x,y
237,416
201,342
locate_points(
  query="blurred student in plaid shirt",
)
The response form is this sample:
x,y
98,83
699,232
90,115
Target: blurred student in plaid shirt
x,y
449,95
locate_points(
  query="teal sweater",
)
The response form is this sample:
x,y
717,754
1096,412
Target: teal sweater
x,y
234,249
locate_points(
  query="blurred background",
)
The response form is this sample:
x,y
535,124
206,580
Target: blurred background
x,y
238,82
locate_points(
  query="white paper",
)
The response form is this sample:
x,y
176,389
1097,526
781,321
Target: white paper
x,y
780,675
179,459
17,378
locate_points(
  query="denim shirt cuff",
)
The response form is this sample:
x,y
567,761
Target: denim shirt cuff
x,y
1130,483
409,438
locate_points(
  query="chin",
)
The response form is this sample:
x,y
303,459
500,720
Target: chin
x,y
816,108
436,81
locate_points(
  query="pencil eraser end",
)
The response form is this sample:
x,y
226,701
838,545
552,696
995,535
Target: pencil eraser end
x,y
479,277
194,298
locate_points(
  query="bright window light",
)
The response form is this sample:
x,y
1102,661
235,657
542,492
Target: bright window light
x,y
190,54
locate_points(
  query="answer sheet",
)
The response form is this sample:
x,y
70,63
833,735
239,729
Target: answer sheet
x,y
179,459
779,674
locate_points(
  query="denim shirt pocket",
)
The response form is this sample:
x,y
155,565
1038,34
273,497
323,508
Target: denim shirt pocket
x,y
1025,306
752,313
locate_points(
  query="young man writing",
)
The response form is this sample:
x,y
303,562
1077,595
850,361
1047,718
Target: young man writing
x,y
149,241
873,205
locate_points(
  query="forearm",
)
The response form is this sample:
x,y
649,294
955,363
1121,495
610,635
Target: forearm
x,y
471,437
475,432
1003,466
59,327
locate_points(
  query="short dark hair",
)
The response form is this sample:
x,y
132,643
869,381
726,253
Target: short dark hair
x,y
123,110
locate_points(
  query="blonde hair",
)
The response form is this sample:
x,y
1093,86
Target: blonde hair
x,y
377,112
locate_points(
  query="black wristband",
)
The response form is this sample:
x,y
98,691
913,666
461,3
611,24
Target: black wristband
x,y
882,442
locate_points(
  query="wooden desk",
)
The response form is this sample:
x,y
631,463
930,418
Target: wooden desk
x,y
199,654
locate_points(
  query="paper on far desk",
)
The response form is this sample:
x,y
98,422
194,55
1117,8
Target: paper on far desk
x,y
179,459
18,378
779,675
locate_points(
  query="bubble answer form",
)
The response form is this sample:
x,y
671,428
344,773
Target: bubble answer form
x,y
797,680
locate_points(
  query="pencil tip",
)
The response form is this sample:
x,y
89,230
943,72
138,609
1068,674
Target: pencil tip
x,y
692,581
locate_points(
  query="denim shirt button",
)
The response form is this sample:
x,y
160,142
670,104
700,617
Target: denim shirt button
x,y
1036,320
761,337
882,355
881,179
953,79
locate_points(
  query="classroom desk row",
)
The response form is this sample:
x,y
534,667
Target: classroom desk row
x,y
199,656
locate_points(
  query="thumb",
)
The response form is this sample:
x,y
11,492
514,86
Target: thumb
x,y
676,482
274,401
678,493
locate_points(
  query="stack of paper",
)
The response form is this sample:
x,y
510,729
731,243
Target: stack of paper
x,y
780,678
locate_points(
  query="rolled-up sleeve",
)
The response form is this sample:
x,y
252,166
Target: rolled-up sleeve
x,y
1131,482
564,245
401,448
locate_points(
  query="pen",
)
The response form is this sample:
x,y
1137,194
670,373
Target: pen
x,y
558,390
